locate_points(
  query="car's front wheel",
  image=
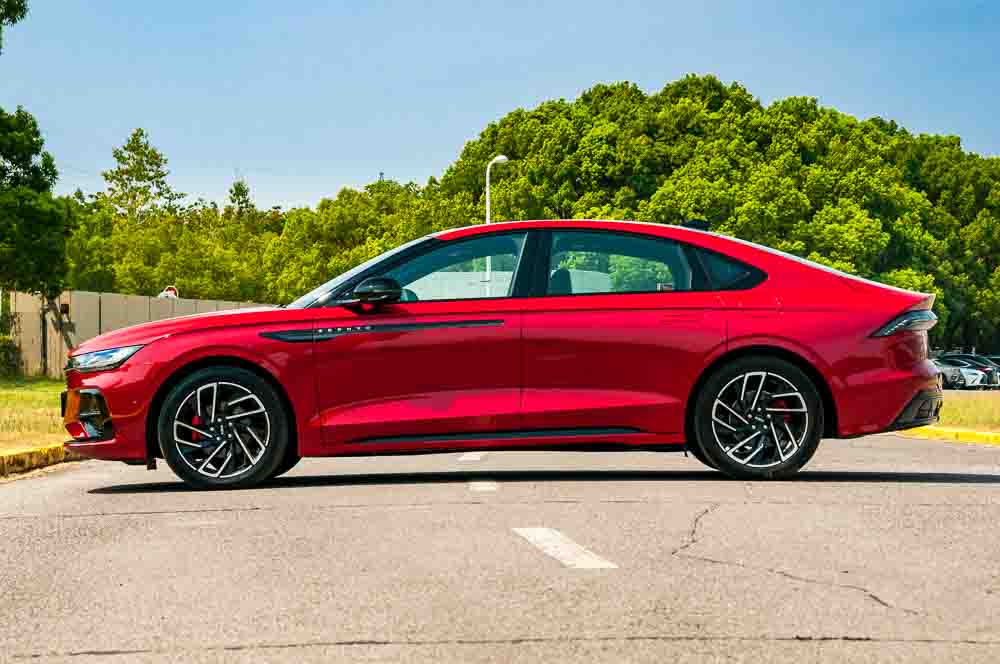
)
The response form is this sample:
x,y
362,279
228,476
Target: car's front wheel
x,y
759,418
223,427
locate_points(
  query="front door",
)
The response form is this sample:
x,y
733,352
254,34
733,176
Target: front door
x,y
620,336
442,363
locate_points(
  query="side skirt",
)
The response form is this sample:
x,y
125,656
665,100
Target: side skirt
x,y
570,440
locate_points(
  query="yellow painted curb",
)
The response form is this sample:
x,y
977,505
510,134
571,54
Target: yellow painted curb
x,y
959,435
30,458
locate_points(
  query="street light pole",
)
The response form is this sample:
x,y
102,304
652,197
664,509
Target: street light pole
x,y
499,159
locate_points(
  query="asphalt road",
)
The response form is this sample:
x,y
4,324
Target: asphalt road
x,y
885,550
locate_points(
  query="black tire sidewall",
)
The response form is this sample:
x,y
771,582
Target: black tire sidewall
x,y
273,455
705,439
289,462
695,449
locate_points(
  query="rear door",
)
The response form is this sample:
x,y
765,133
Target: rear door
x,y
440,365
620,335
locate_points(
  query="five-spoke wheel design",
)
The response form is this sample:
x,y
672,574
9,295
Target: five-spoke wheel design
x,y
221,429
760,419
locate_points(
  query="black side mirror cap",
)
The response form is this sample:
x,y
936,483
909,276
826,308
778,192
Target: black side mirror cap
x,y
378,290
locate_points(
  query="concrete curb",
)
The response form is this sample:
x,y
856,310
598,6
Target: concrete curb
x,y
30,458
960,435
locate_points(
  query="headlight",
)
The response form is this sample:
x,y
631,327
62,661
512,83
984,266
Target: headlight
x,y
101,360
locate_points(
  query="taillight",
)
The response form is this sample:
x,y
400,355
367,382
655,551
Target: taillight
x,y
911,321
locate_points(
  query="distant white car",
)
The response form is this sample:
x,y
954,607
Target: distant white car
x,y
974,378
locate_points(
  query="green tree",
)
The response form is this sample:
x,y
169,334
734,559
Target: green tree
x,y
11,11
137,186
34,224
863,196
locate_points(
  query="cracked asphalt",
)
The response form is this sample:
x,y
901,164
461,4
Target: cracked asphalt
x,y
886,549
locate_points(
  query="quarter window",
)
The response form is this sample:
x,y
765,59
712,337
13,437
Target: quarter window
x,y
728,274
481,267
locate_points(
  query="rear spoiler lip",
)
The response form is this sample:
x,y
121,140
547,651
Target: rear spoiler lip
x,y
926,303
914,300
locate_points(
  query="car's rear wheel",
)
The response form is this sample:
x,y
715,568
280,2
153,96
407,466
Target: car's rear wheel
x,y
289,462
758,418
223,427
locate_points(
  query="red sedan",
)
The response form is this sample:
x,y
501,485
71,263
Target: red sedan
x,y
577,335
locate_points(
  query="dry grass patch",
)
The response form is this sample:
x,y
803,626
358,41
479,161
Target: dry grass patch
x,y
979,411
29,413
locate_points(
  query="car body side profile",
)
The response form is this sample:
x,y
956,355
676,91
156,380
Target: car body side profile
x,y
572,334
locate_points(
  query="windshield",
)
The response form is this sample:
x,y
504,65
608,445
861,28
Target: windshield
x,y
315,294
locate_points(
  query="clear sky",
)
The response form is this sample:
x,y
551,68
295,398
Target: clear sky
x,y
302,97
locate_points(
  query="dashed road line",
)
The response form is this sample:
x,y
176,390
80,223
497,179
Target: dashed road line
x,y
472,456
485,485
553,543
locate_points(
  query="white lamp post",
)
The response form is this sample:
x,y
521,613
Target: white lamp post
x,y
499,159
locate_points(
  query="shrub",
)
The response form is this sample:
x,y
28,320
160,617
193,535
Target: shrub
x,y
10,357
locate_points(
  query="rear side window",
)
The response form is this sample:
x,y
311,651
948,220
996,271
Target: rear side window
x,y
726,273
588,263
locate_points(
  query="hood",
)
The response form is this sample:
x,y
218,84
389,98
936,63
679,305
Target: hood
x,y
145,333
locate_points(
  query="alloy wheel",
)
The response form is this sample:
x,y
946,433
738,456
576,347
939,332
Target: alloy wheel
x,y
760,419
221,429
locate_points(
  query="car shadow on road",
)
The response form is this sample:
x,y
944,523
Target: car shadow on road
x,y
511,476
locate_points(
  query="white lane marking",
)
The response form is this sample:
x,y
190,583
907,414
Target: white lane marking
x,y
569,553
472,456
486,485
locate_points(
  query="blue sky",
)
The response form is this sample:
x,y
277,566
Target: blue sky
x,y
302,98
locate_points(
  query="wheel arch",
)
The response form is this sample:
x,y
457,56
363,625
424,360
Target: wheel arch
x,y
182,372
830,417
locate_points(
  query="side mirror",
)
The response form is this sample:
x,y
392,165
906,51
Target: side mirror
x,y
378,290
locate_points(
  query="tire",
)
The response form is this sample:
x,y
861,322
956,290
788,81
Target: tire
x,y
698,454
746,406
252,425
289,462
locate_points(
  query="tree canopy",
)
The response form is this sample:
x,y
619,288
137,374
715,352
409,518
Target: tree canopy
x,y
864,196
11,11
34,224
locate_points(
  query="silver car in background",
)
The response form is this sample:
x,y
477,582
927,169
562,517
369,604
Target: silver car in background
x,y
972,378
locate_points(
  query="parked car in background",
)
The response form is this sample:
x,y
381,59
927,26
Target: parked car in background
x,y
981,363
952,377
974,378
528,335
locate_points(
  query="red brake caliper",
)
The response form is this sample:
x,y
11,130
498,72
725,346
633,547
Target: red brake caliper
x,y
195,421
781,403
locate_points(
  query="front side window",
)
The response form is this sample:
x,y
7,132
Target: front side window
x,y
585,263
481,267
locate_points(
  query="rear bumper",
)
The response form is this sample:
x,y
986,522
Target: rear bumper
x,y
889,399
923,409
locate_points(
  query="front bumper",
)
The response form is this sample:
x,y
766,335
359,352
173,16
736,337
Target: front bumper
x,y
86,416
105,413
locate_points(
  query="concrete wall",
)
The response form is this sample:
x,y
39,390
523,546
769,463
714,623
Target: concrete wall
x,y
90,314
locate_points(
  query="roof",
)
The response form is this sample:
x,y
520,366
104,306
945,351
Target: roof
x,y
649,228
